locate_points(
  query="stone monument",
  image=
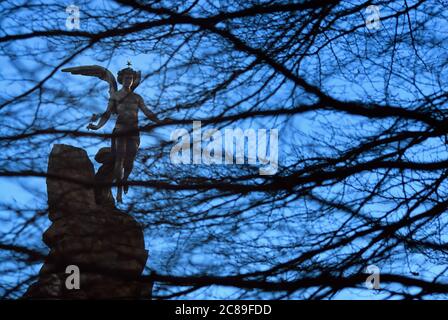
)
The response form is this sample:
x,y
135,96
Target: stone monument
x,y
89,232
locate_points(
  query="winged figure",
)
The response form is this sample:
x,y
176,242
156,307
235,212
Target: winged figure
x,y
124,103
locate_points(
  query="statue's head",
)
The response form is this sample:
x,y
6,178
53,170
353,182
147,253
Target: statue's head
x,y
127,77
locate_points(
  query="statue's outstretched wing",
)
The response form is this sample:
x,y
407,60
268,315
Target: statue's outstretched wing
x,y
137,80
96,71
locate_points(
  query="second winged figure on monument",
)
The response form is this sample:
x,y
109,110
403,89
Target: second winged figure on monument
x,y
124,103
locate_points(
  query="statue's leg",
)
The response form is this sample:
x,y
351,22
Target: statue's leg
x,y
118,168
132,145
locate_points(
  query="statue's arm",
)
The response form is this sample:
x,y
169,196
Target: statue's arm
x,y
104,117
148,113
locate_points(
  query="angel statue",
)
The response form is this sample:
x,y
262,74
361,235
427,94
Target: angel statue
x,y
125,103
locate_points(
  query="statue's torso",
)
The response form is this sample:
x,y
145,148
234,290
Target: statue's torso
x,y
126,106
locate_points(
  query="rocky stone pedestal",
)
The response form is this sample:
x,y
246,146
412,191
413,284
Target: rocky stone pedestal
x,y
107,245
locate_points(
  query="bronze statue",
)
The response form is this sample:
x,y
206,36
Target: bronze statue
x,y
125,104
104,177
